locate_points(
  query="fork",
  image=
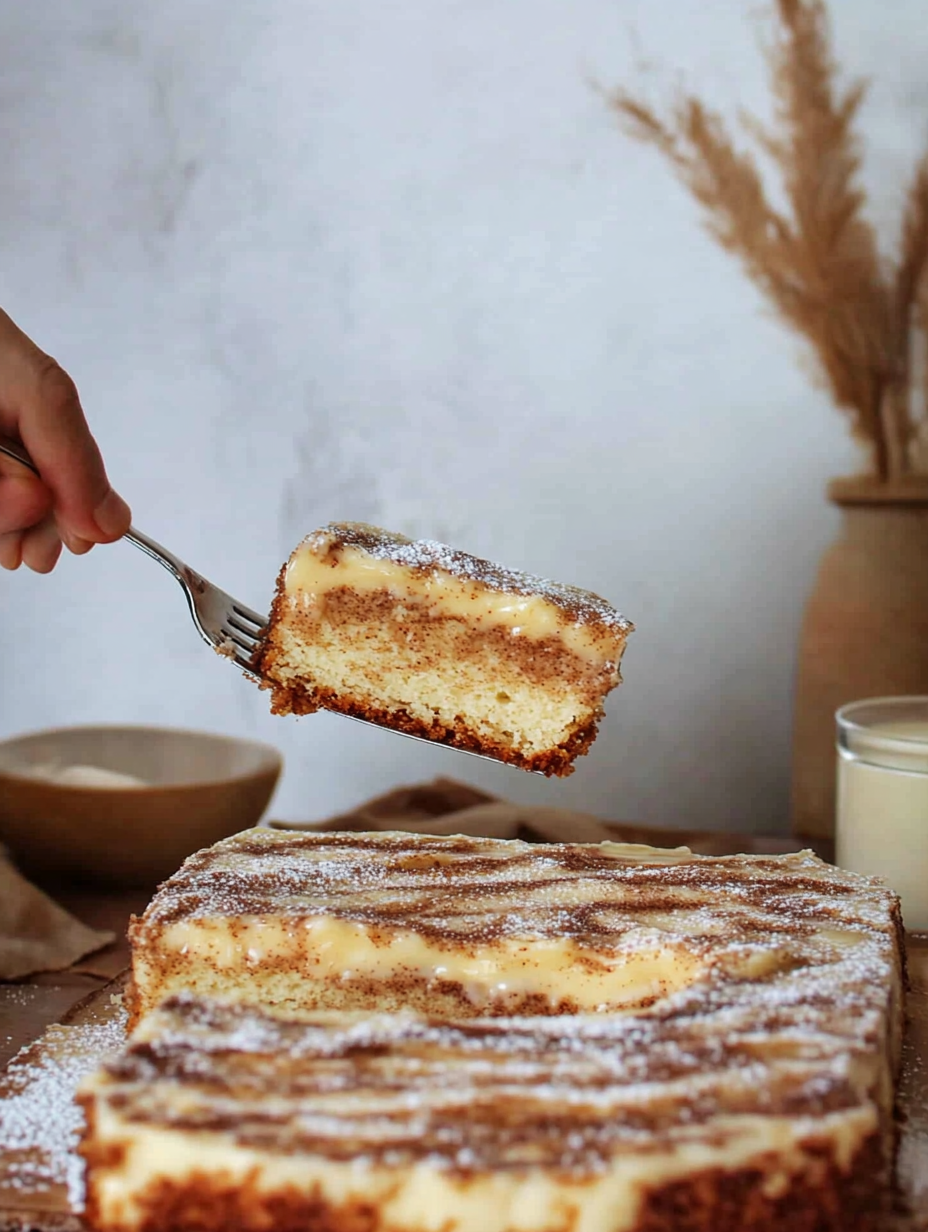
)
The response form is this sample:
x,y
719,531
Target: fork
x,y
230,627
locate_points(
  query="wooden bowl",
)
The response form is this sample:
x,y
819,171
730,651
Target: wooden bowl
x,y
197,788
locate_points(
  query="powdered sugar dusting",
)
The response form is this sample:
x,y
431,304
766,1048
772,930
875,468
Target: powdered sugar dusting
x,y
458,889
780,987
39,1121
427,555
569,1092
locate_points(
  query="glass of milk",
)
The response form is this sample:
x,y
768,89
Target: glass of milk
x,y
882,819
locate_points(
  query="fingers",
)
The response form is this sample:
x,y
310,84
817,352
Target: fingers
x,y
37,548
40,404
75,545
24,498
56,434
11,549
29,533
41,547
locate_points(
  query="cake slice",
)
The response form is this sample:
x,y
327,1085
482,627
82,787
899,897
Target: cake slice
x,y
426,640
469,927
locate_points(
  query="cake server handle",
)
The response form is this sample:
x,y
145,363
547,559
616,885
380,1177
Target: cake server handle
x,y
225,624
174,565
150,547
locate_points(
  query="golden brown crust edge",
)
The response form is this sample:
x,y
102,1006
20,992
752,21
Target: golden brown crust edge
x,y
130,995
556,762
824,1198
299,699
275,617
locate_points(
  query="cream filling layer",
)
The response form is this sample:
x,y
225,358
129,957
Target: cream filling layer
x,y
421,1197
310,576
324,949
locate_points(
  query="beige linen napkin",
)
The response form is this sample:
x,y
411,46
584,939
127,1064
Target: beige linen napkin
x,y
445,806
35,933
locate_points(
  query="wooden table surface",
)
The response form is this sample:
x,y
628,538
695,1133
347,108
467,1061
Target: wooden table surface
x,y
28,1006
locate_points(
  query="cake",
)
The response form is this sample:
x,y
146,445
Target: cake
x,y
455,926
221,1118
627,1040
418,637
464,927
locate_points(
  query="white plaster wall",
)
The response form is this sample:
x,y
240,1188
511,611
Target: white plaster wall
x,y
314,259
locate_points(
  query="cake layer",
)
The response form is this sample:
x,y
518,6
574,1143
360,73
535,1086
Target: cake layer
x,y
484,595
740,1114
473,927
416,636
482,702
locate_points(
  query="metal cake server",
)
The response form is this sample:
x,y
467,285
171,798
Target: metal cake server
x,y
231,628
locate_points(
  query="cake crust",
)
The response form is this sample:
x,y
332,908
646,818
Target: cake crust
x,y
826,1199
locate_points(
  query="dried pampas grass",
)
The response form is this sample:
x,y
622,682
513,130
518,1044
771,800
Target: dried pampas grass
x,y
817,262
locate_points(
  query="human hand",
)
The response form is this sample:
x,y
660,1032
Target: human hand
x,y
71,500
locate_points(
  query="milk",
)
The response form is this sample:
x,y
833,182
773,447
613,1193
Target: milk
x,y
882,818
